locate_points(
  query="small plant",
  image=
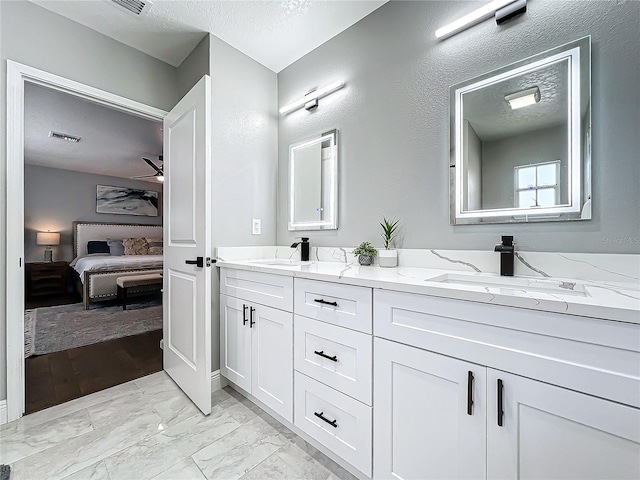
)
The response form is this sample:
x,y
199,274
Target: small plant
x,y
365,248
389,231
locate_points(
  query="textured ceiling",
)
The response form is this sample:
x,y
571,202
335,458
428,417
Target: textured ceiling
x,y
274,33
112,141
492,118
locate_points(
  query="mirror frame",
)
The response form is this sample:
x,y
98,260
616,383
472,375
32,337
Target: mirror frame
x,y
332,184
578,54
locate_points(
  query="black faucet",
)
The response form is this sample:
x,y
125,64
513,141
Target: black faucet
x,y
507,254
304,248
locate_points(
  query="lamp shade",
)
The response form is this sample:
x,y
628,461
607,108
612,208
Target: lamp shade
x,y
47,238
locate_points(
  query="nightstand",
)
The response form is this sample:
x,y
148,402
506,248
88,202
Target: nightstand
x,y
46,278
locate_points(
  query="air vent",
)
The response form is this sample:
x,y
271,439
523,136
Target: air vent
x,y
64,136
136,7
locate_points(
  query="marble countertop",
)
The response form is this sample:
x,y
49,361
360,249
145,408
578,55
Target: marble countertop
x,y
619,301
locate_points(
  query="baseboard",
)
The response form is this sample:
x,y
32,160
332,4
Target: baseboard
x,y
3,412
218,381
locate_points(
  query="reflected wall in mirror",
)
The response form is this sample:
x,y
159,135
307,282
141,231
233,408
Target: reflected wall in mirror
x,y
313,183
520,140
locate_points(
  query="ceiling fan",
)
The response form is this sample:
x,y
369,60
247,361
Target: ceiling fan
x,y
159,175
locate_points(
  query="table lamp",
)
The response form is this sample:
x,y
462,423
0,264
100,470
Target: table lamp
x,y
48,239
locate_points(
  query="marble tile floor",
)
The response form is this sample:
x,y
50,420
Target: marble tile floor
x,y
148,429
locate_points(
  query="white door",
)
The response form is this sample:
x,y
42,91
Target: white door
x,y
272,358
429,415
187,234
235,347
554,433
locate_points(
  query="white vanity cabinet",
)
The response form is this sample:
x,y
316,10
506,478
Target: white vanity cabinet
x,y
257,339
536,430
426,426
333,363
429,416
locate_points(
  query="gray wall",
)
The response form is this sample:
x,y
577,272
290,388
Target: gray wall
x,y
244,159
55,198
393,117
36,37
500,157
194,67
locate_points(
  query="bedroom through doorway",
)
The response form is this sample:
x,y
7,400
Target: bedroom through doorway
x,y
93,246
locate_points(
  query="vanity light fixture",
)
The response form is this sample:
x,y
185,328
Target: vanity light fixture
x,y
472,18
310,100
523,98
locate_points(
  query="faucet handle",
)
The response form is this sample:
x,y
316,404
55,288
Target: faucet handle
x,y
507,240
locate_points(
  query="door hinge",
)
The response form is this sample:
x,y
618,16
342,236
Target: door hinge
x,y
209,261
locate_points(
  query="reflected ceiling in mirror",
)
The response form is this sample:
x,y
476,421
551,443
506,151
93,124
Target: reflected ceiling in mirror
x,y
313,183
520,139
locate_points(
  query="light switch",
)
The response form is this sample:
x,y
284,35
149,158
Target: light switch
x,y
256,226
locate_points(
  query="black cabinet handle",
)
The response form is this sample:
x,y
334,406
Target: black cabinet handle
x,y
244,314
500,407
199,262
324,302
251,322
321,416
470,393
322,354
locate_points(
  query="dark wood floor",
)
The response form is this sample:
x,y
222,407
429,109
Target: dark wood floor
x,y
62,376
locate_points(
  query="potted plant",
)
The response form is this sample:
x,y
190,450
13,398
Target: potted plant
x,y
365,253
388,257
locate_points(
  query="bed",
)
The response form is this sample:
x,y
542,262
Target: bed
x,y
96,274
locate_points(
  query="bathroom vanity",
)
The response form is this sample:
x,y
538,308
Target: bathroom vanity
x,y
423,373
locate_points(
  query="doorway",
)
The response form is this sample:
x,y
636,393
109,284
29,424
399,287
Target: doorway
x,y
18,76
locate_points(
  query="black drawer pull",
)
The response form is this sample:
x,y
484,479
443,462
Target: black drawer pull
x,y
500,407
244,314
322,354
251,321
470,393
324,302
321,416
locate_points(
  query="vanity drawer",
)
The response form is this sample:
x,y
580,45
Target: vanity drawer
x,y
590,355
349,367
343,305
347,425
271,290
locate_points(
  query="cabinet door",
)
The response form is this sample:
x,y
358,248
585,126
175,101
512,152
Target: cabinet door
x,y
272,359
553,433
422,426
235,348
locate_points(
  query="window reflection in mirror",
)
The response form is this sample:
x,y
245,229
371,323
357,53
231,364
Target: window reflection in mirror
x,y
313,165
520,140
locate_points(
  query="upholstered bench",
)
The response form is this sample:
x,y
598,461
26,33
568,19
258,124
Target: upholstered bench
x,y
150,282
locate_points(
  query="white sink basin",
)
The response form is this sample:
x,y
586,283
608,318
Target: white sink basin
x,y
513,283
281,262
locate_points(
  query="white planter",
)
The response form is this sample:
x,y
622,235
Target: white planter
x,y
387,258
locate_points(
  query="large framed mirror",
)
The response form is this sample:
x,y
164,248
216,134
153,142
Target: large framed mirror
x,y
521,140
313,183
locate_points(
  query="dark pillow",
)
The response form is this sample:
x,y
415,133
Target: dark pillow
x,y
95,246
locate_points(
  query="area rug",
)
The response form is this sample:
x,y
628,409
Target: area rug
x,y
5,472
53,329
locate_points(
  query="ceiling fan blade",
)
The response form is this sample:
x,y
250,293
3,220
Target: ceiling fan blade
x,y
143,176
152,165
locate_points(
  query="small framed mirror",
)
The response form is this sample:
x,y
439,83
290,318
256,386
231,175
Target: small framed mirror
x,y
313,183
521,140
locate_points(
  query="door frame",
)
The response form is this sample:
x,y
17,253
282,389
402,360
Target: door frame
x,y
17,75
